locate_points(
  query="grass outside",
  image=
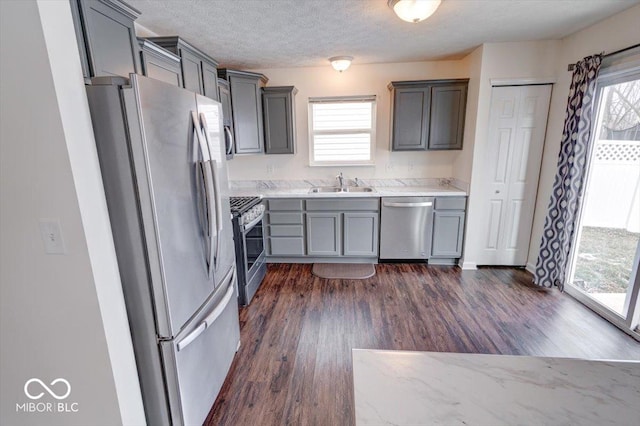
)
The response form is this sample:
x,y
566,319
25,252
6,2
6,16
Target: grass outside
x,y
605,259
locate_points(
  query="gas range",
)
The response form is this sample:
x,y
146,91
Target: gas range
x,y
249,241
246,209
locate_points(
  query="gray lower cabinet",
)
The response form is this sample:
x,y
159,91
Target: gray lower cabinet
x,y
428,114
286,246
159,63
299,230
199,70
106,37
246,105
279,119
448,227
360,234
284,230
324,234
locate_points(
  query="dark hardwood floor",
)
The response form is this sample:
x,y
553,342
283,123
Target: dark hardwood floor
x,y
294,365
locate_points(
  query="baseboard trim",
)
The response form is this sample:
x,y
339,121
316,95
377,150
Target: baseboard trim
x,y
530,267
469,266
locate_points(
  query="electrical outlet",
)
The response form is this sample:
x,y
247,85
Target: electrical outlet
x,y
410,165
270,169
389,167
51,234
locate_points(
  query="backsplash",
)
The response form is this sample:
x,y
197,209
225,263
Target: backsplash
x,y
309,183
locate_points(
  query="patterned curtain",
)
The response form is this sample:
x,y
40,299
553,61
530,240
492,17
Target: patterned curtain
x,y
559,225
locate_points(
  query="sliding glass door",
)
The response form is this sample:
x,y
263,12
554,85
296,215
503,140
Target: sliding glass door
x,y
604,270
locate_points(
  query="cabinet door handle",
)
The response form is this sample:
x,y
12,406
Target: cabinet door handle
x,y
227,131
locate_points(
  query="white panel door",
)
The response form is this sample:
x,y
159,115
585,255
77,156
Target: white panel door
x,y
517,125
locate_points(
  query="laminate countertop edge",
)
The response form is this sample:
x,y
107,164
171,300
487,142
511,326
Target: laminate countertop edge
x,y
400,191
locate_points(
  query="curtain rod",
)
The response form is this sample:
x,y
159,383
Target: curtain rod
x,y
572,66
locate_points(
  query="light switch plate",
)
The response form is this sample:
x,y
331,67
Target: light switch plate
x,y
52,236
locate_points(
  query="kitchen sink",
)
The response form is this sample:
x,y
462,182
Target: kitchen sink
x,y
335,189
359,189
319,189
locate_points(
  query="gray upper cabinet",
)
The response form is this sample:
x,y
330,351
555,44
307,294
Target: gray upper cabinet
x,y
199,70
279,119
159,63
192,72
428,115
106,37
246,105
224,95
410,119
448,103
210,80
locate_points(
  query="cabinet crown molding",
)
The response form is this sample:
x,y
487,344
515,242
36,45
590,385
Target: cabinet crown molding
x,y
123,8
225,73
177,41
416,83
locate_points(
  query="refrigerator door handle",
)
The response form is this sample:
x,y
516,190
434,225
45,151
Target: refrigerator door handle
x,y
213,316
209,188
213,222
218,202
216,185
189,338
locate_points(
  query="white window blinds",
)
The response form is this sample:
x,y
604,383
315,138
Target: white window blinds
x,y
342,130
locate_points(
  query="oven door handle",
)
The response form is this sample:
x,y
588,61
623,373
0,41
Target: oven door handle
x,y
254,222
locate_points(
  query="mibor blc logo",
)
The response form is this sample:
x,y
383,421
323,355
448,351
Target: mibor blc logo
x,y
35,389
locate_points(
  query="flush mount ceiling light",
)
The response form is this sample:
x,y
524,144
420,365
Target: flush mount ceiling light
x,y
341,63
414,10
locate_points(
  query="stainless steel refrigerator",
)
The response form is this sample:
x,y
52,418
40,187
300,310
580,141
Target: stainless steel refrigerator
x,y
162,156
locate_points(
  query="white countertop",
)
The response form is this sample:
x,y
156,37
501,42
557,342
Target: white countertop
x,y
429,388
383,191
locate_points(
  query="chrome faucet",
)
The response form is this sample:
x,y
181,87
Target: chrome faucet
x,y
357,182
341,180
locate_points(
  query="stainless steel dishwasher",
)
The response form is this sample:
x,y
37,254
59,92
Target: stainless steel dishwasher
x,y
405,227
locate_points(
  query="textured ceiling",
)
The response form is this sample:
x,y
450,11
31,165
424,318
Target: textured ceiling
x,y
288,33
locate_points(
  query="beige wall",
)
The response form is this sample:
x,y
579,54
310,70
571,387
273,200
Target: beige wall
x,y
62,316
370,79
516,62
616,32
463,163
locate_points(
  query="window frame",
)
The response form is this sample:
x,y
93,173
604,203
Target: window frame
x,y
372,132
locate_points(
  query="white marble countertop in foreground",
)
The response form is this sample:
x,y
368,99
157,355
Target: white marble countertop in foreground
x,y
429,388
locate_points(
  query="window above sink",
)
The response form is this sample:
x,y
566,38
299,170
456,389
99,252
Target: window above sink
x,y
342,131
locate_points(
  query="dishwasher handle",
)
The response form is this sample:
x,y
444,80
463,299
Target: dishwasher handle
x,y
421,204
